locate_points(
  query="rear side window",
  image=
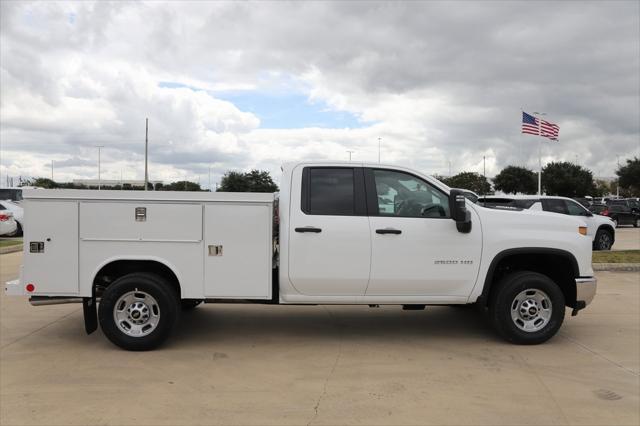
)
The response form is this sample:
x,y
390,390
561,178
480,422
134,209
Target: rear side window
x,y
555,206
524,204
329,191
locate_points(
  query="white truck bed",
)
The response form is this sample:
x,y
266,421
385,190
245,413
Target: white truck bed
x,y
72,234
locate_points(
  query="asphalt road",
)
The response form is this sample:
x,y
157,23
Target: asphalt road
x,y
251,364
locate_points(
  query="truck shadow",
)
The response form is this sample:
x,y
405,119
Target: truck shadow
x,y
235,323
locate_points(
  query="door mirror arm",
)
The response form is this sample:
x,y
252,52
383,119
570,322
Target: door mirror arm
x,y
459,212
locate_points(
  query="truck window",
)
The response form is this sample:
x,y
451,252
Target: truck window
x,y
555,206
331,191
575,209
401,194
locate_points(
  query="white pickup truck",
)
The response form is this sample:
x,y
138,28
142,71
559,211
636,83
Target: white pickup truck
x,y
338,233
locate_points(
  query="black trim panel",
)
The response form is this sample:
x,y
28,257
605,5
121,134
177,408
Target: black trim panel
x,y
488,281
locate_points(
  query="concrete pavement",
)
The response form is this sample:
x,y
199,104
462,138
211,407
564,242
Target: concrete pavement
x,y
627,238
252,364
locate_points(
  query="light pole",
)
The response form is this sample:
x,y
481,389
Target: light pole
x,y
539,150
99,180
146,152
51,169
618,180
209,179
379,145
350,152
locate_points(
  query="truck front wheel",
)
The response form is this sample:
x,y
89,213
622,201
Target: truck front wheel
x,y
527,308
138,311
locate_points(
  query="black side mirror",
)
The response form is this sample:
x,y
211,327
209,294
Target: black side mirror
x,y
458,209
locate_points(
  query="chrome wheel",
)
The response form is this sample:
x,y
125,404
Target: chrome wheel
x,y
136,313
531,310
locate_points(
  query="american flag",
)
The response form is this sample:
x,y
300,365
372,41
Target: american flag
x,y
535,126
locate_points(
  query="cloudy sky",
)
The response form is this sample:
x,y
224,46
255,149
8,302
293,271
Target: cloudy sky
x,y
251,85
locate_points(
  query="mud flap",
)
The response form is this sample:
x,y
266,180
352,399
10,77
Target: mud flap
x,y
90,314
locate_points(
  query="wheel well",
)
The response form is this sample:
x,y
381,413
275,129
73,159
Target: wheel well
x,y
118,268
561,267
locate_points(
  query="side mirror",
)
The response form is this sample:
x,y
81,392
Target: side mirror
x,y
459,213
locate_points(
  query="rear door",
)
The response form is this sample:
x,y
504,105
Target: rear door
x,y
329,242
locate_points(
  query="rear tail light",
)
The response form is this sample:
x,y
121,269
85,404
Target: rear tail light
x,y
604,212
4,217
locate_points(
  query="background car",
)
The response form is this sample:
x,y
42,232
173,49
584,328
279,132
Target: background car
x,y
18,214
12,194
8,225
632,203
601,229
621,215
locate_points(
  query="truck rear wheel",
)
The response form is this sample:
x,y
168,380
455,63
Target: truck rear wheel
x,y
527,308
138,311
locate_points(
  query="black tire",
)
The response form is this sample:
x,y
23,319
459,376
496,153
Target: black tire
x,y
503,299
164,302
603,240
189,304
636,224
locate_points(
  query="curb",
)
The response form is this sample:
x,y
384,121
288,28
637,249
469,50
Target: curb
x,y
11,249
626,267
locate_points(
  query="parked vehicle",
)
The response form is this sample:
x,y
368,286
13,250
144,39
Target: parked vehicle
x,y
621,215
12,194
18,214
338,233
601,229
632,203
469,195
8,225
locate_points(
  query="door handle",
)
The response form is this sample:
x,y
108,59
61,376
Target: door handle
x,y
309,229
388,231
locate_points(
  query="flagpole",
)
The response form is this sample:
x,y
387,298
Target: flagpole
x,y
538,114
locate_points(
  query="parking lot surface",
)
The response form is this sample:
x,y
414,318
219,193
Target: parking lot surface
x,y
252,364
627,238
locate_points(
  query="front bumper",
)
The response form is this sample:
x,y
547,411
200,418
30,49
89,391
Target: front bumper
x,y
585,290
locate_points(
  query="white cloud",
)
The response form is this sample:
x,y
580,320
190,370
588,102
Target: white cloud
x,y
438,82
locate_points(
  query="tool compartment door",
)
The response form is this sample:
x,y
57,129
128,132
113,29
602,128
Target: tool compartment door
x,y
51,246
238,251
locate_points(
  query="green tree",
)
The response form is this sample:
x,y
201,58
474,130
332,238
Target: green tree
x,y
629,177
40,183
253,181
567,180
182,185
603,188
469,180
514,179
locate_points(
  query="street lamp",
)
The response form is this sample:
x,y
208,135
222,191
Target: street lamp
x,y
350,152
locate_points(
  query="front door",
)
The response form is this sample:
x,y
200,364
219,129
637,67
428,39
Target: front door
x,y
329,242
416,249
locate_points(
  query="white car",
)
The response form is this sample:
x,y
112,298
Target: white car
x,y
600,228
18,214
8,225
